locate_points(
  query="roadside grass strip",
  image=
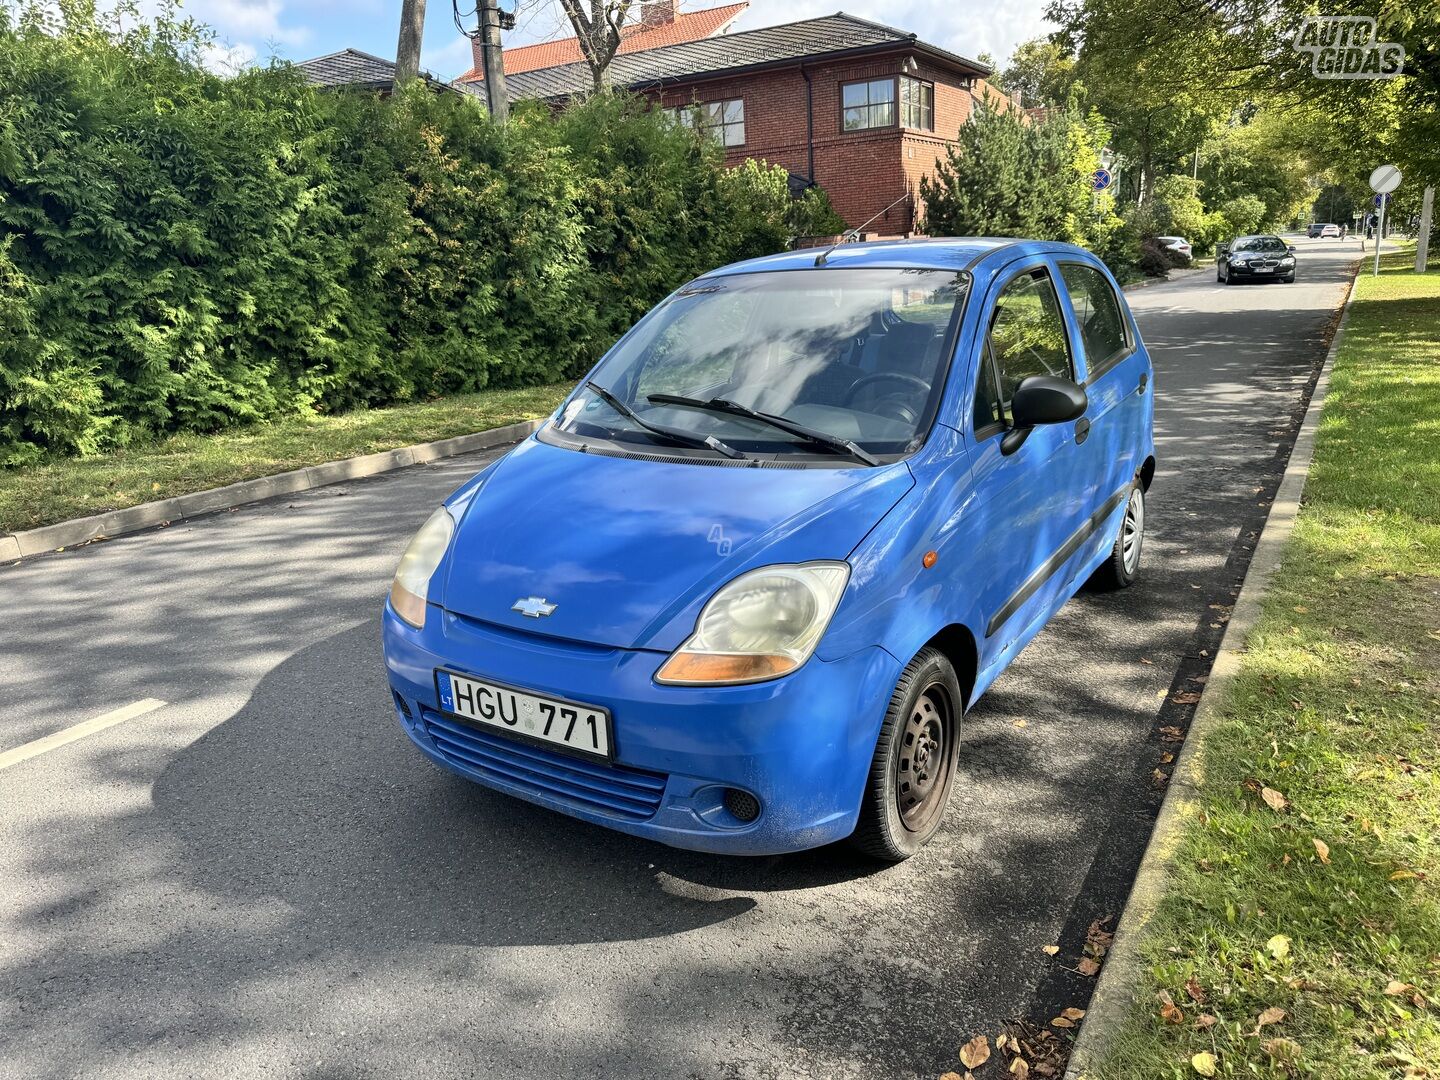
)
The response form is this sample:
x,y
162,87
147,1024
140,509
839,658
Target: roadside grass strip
x,y
1300,935
76,487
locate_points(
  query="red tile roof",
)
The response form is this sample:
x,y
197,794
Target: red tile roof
x,y
687,26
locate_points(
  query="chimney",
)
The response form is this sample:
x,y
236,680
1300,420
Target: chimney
x,y
658,12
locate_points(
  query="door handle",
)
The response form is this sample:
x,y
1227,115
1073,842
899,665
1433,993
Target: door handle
x,y
1144,381
1082,430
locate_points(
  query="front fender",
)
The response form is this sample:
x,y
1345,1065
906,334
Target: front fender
x,y
893,599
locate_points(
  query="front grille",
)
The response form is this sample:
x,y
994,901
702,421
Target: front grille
x,y
612,789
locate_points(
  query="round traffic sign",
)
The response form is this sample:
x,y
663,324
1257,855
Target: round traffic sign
x,y
1102,179
1385,179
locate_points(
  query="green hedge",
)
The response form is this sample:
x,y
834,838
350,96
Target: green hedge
x,y
180,251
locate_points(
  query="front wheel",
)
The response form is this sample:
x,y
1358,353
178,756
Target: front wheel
x,y
914,764
1123,566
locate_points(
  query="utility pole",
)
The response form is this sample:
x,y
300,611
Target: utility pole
x,y
407,52
1422,249
491,22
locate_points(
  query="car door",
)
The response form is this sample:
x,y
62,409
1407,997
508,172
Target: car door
x,y
1116,373
1029,504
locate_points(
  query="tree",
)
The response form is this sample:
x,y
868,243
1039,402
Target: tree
x,y
1215,57
1008,176
598,31
1040,72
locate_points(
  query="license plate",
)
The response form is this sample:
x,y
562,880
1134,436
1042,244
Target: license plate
x,y
1262,269
567,725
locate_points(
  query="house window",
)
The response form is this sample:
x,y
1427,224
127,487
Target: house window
x,y
867,104
724,121
917,104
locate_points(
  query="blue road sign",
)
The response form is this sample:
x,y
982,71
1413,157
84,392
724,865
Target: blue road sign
x,y
1102,179
1380,201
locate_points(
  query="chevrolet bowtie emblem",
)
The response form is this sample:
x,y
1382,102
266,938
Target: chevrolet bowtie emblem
x,y
534,606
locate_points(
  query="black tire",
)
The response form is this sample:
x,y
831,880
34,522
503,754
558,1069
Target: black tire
x,y
905,797
1123,566
1288,279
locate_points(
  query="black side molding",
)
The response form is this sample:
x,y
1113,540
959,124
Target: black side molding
x,y
1054,562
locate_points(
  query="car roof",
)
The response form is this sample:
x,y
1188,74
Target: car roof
x,y
923,253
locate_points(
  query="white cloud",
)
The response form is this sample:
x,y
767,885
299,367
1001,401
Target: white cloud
x,y
228,59
446,55
257,20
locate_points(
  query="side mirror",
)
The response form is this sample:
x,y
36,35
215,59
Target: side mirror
x,y
1223,249
1290,248
1042,399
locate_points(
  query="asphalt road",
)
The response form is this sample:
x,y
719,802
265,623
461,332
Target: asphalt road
x,y
264,878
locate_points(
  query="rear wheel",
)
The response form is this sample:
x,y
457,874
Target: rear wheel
x,y
914,764
1123,566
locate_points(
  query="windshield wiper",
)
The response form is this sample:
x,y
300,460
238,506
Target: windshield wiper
x,y
810,435
680,438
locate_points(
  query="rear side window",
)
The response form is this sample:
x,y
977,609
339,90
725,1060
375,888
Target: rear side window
x,y
1097,310
1027,335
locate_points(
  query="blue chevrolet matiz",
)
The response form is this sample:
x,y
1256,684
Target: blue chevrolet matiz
x,y
736,594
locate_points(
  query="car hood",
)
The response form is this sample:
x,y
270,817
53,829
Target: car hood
x,y
628,550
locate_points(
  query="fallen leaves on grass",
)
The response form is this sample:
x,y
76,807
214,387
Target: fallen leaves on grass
x,y
1271,1015
1395,988
1169,1011
1322,849
1278,946
1205,1021
1274,799
1282,1049
975,1053
1194,990
1204,1063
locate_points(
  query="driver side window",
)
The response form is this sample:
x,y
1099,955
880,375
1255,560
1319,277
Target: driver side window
x,y
1027,337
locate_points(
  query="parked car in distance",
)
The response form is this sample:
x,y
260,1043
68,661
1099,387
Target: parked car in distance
x,y
1255,258
1177,244
1317,227
738,592
1329,230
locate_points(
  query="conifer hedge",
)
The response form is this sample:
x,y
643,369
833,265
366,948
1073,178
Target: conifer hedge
x,y
181,251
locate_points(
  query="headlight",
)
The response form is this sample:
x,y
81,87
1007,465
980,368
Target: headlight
x,y
1288,260
412,576
762,625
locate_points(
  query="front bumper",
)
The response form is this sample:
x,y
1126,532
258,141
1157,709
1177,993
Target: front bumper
x,y
801,745
1245,270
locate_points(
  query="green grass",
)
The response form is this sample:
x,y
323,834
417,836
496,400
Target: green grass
x,y
75,487
1337,707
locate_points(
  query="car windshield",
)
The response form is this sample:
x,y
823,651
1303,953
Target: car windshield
x,y
854,355
1258,243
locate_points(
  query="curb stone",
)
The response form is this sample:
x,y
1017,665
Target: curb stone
x,y
1125,968
64,534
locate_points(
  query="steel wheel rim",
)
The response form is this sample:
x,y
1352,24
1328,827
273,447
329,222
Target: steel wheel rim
x,y
925,759
1132,531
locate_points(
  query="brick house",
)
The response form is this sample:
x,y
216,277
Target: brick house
x,y
863,110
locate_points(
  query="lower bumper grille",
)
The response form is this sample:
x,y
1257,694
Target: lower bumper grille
x,y
611,789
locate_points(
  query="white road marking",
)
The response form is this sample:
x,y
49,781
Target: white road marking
x,y
78,731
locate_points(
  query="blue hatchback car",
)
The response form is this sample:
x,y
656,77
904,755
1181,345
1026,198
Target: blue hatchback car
x,y
738,591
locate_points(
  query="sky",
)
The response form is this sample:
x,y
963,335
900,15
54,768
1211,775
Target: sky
x,y
250,30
